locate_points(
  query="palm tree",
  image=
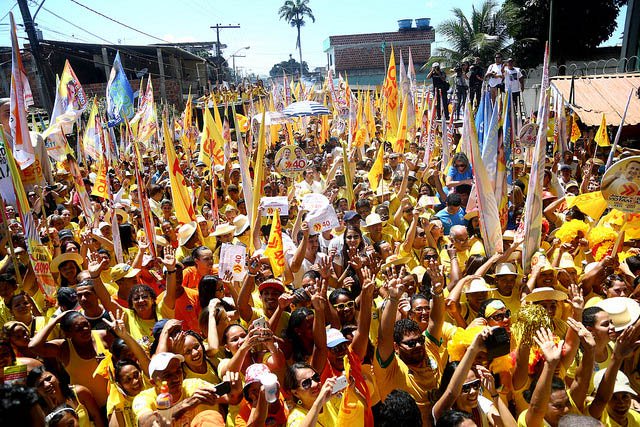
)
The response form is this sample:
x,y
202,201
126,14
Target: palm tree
x,y
294,12
484,34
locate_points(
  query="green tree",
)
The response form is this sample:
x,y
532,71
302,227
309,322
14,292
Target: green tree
x,y
579,26
290,67
481,34
294,12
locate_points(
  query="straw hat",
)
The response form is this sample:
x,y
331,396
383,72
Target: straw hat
x,y
69,256
567,263
373,219
185,232
623,312
478,285
222,229
241,223
123,214
545,294
505,269
122,271
622,384
395,260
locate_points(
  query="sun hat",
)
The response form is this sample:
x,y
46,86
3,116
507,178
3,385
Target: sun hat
x,y
222,229
505,269
471,214
478,285
335,338
123,271
395,260
623,311
69,256
545,294
622,384
185,232
241,223
160,361
567,263
373,219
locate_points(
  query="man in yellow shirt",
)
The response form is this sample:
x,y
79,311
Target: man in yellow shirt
x,y
401,360
188,397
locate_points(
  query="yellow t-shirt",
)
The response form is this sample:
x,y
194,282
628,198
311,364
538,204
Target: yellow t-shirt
x,y
327,418
633,419
522,417
439,352
145,402
141,329
421,382
282,324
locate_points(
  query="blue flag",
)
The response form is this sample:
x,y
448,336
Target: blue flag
x,y
119,95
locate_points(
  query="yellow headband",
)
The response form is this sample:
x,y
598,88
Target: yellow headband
x,y
492,307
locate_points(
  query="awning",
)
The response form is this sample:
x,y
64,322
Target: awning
x,y
607,93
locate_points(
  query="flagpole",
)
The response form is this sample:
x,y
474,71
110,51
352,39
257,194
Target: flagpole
x,y
5,229
617,138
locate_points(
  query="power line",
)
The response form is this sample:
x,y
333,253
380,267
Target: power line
x,y
7,14
118,22
76,26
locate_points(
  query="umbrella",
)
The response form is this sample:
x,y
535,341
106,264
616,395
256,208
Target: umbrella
x,y
271,118
306,108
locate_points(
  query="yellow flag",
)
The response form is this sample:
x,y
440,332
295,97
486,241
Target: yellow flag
x,y
401,134
602,137
181,199
593,204
275,250
575,129
375,173
188,138
211,142
100,187
324,130
390,92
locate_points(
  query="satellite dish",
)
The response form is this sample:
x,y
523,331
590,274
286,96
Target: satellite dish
x,y
142,72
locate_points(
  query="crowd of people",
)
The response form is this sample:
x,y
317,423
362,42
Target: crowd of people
x,y
397,315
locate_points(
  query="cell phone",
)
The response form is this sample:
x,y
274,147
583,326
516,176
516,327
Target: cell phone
x,y
260,323
341,384
223,388
340,181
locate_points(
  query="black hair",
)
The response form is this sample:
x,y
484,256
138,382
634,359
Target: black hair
x,y
207,289
63,281
311,274
612,278
399,409
452,418
226,331
290,378
447,374
16,403
333,296
8,278
633,262
416,297
63,247
403,327
188,261
474,262
295,320
146,289
454,199
574,420
59,414
197,252
67,321
34,375
127,236
589,316
15,297
121,364
118,347
363,203
463,189
556,384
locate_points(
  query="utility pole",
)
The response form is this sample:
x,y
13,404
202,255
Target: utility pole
x,y
550,28
233,57
41,69
219,27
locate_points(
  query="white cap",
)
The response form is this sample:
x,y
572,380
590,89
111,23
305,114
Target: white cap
x,y
478,285
373,219
622,384
160,361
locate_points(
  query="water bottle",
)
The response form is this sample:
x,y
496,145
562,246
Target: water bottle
x,y
163,403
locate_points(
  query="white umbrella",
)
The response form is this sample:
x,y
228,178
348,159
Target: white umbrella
x,y
306,108
271,118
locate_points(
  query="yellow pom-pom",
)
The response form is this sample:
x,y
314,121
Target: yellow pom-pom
x,y
601,234
572,229
460,341
527,321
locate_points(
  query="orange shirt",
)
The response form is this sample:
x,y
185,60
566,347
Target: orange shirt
x,y
191,278
275,416
187,309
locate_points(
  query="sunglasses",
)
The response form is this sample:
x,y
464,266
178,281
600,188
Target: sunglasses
x,y
461,166
344,305
422,234
430,257
475,384
341,348
308,382
501,316
414,342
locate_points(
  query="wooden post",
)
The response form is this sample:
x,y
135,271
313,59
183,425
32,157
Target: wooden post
x,y
163,87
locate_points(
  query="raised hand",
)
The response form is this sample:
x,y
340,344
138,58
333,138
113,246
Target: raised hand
x,y
551,351
97,264
487,380
576,298
393,281
117,324
253,266
627,342
437,277
169,260
285,300
586,337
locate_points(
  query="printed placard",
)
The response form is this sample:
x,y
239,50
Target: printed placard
x,y
291,160
271,204
313,201
323,219
232,258
621,185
